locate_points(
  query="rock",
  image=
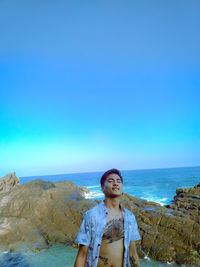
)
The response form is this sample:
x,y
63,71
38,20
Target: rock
x,y
170,233
84,189
39,212
187,201
8,182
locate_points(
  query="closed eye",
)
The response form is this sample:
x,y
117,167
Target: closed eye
x,y
112,180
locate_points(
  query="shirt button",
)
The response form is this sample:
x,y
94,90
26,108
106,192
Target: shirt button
x,y
98,245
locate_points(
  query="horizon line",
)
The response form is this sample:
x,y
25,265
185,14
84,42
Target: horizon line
x,y
178,167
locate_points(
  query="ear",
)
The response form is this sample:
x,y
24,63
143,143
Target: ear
x,y
102,188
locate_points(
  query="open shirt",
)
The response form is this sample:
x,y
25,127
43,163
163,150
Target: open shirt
x,y
92,229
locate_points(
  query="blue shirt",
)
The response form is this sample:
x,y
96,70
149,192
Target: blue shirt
x,y
92,228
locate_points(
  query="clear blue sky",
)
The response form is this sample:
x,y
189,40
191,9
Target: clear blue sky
x,y
90,85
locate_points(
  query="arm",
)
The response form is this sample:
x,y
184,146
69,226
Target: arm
x,y
133,256
81,256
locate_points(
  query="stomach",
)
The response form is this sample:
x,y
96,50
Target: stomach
x,y
111,254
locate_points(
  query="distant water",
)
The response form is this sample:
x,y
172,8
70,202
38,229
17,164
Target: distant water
x,y
157,185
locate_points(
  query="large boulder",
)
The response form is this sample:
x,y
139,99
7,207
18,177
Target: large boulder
x,y
8,182
39,212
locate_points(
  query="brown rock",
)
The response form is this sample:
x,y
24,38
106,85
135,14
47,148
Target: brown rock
x,y
8,182
84,189
187,200
38,212
167,234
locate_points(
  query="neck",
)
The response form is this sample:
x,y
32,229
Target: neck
x,y
112,203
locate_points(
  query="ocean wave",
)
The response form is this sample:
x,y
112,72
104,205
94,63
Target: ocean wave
x,y
145,195
93,186
161,201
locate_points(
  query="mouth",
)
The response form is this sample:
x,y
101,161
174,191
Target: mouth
x,y
115,188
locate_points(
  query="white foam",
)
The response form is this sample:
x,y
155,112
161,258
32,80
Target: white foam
x,y
161,201
147,258
97,193
93,195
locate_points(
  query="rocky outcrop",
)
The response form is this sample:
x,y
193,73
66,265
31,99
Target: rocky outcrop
x,y
38,212
167,234
187,200
8,182
84,191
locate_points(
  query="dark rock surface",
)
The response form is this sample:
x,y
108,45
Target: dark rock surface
x,y
37,212
187,201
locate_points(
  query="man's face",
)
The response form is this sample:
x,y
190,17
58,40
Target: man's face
x,y
113,186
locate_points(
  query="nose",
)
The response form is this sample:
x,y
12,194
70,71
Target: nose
x,y
115,182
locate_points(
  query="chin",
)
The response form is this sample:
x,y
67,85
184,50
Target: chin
x,y
116,194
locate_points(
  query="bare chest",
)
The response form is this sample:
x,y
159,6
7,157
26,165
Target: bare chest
x,y
114,229
112,245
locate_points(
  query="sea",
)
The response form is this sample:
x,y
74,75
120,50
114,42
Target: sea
x,y
158,185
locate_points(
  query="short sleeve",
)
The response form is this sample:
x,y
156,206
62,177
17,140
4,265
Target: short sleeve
x,y
83,236
134,235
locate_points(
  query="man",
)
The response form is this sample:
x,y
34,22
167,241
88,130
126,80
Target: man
x,y
108,231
